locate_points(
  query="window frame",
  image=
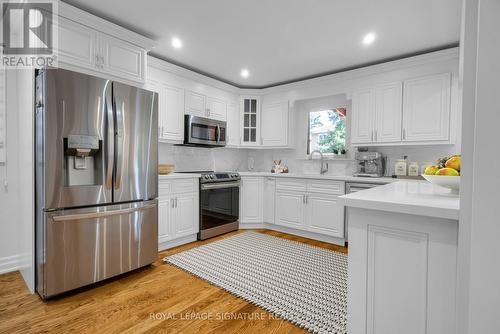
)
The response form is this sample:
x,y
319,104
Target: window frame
x,y
308,148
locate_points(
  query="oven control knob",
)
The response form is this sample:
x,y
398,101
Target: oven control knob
x,y
212,176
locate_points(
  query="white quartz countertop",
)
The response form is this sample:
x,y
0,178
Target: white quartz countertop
x,y
382,180
410,197
179,176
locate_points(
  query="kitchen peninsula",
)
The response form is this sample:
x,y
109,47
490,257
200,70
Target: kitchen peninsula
x,y
402,258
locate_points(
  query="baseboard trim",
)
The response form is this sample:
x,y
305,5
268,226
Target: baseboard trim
x,y
251,226
305,234
176,242
10,263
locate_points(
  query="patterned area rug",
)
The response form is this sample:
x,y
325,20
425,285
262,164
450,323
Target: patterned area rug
x,y
303,284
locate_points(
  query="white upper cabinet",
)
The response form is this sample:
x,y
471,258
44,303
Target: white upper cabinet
x,y
216,108
205,106
77,44
195,104
171,113
233,125
88,43
412,111
426,108
388,106
250,114
274,124
122,59
362,116
265,125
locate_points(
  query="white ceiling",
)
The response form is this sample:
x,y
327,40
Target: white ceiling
x,y
284,40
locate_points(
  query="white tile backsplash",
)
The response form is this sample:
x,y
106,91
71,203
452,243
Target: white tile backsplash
x,y
199,158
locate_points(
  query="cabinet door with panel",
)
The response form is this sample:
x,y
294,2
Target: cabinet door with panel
x,y
325,215
122,59
269,199
186,214
362,116
250,113
290,209
251,200
164,219
216,108
388,111
195,104
233,125
274,124
171,113
426,108
77,44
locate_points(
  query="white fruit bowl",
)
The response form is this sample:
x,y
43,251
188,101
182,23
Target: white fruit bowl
x,y
450,182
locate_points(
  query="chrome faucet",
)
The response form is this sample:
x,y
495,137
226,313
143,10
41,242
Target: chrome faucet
x,y
323,170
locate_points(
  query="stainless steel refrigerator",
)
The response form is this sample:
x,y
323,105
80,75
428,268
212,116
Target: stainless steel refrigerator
x,y
96,179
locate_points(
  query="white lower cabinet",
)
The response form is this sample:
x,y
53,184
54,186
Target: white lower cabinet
x,y
325,215
290,209
164,233
251,204
269,199
401,274
178,212
310,205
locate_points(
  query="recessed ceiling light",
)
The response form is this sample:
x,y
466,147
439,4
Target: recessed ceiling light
x,y
244,73
369,38
176,42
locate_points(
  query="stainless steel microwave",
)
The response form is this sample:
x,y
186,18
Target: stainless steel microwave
x,y
199,131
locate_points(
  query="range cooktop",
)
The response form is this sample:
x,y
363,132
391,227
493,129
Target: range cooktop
x,y
211,176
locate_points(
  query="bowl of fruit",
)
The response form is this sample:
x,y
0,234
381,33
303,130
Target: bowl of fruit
x,y
446,173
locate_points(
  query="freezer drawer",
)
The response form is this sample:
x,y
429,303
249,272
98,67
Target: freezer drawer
x,y
85,246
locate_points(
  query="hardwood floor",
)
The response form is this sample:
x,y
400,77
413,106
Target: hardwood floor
x,y
157,299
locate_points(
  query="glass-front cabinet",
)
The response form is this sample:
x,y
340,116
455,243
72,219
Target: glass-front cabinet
x,y
250,120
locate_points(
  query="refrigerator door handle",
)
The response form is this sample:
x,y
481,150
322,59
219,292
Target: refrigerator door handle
x,y
110,136
119,141
103,214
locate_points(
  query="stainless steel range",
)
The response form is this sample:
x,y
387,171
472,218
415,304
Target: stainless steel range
x,y
219,203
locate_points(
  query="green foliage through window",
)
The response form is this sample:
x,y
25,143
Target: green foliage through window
x,y
327,131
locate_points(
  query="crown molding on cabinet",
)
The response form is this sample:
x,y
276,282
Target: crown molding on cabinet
x,y
189,74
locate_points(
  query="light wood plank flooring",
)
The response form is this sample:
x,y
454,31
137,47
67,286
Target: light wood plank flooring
x,y
155,299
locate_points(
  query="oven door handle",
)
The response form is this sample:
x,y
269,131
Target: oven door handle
x,y
218,133
220,185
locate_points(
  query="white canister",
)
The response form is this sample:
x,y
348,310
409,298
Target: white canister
x,y
400,169
413,169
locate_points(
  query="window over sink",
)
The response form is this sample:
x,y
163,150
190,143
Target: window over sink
x,y
327,131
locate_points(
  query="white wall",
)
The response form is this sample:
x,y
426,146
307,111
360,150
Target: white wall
x,y
9,214
479,227
17,199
